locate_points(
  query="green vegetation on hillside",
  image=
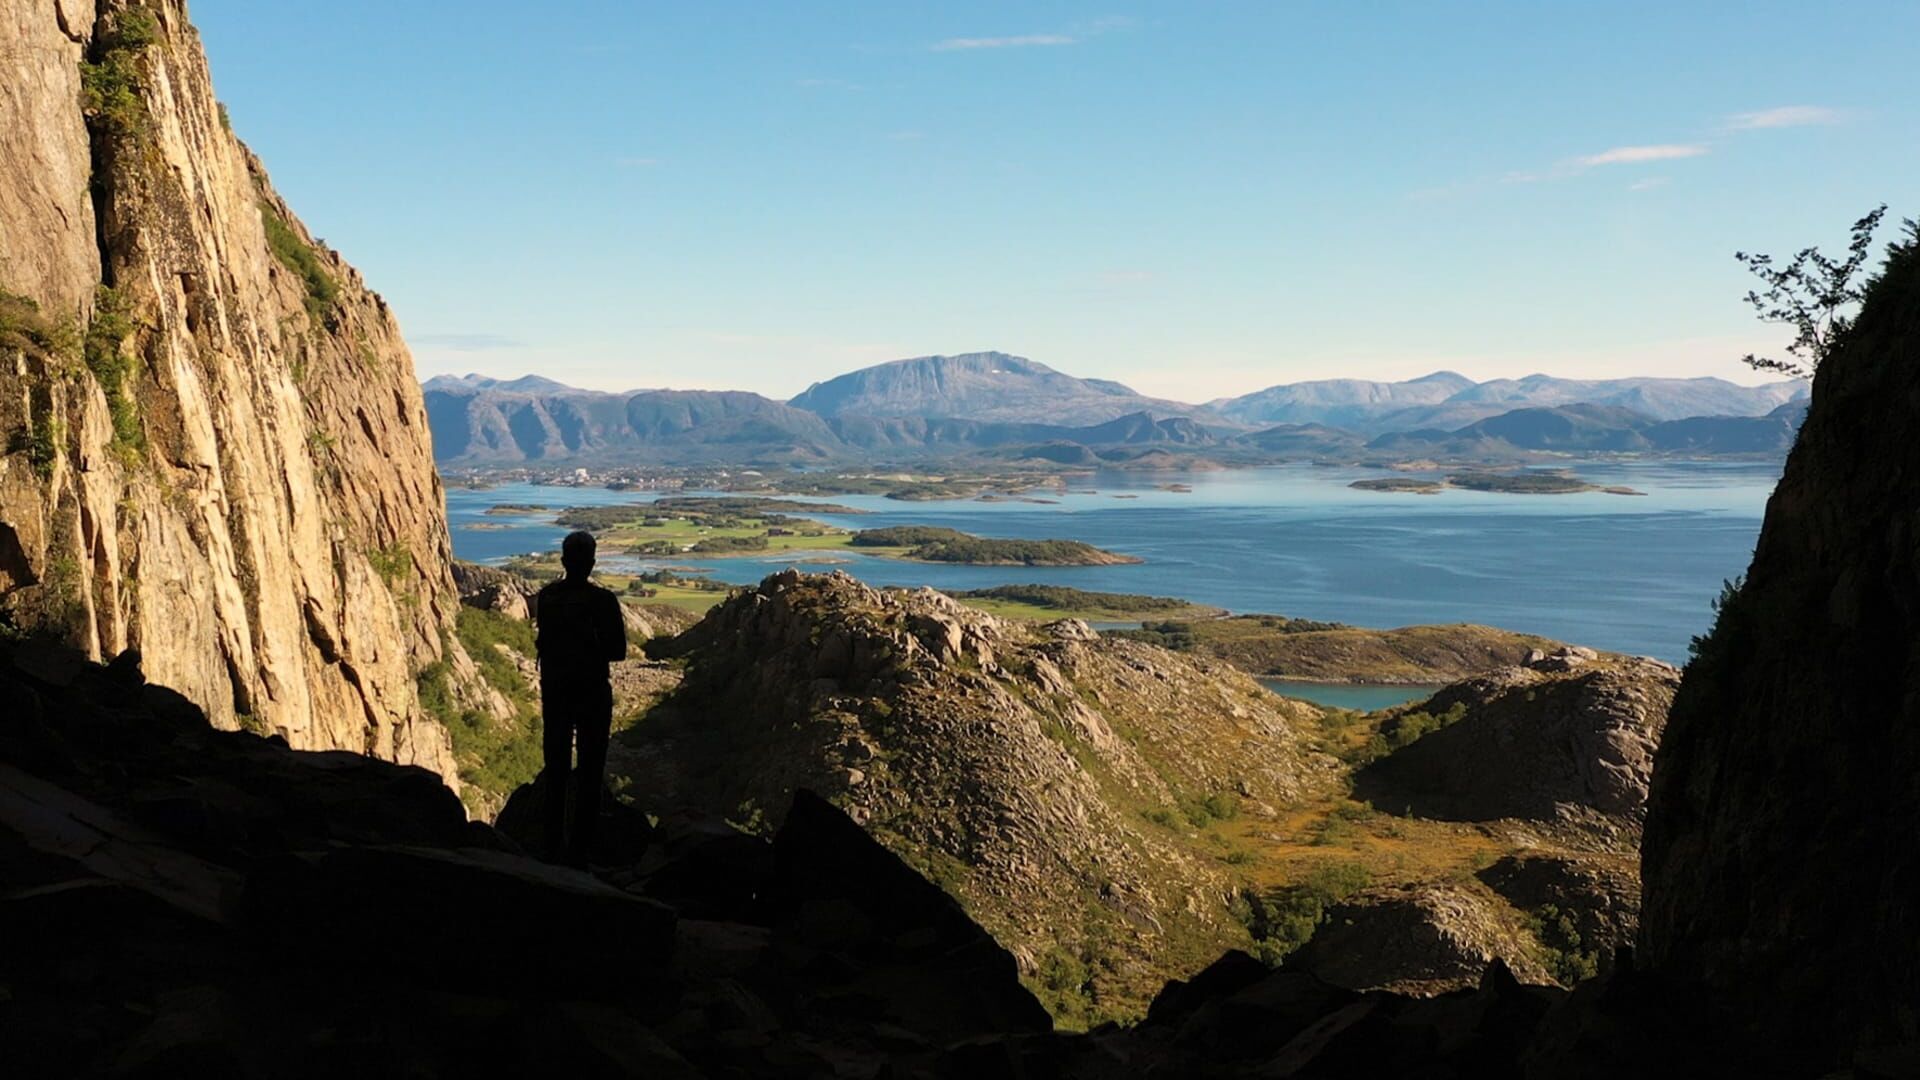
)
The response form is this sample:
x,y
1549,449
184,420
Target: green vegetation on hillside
x,y
110,85
1403,728
114,369
494,756
25,327
1278,647
322,292
1282,919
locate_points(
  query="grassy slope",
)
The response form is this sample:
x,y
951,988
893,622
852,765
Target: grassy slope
x,y
1261,645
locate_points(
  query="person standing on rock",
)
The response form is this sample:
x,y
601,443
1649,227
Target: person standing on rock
x,y
579,633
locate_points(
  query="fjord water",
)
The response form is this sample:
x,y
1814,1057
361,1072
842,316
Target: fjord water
x,y
1635,574
1360,697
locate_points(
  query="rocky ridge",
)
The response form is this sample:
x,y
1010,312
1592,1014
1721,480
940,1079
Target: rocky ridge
x,y
1039,773
216,451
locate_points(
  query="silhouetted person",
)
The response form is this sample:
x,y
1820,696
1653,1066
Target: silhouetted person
x,y
580,632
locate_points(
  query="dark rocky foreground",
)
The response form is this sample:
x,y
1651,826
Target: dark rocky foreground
x,y
183,900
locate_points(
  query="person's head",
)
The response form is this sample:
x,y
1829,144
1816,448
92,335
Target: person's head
x,y
576,554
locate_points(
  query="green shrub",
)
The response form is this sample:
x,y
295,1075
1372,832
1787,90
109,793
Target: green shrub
x,y
1282,919
1404,729
1560,943
480,632
1161,816
110,86
114,369
43,446
393,563
323,293
495,756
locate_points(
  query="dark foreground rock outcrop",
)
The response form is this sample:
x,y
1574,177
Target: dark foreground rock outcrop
x,y
1782,856
183,900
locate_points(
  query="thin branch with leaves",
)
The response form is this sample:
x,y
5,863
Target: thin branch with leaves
x,y
1814,294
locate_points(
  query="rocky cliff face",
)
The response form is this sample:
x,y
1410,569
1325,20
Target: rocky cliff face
x,y
1782,854
1043,775
216,451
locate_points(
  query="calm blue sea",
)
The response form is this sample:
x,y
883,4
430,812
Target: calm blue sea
x,y
1630,573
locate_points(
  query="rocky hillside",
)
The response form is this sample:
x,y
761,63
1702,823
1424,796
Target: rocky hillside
x,y
1575,736
1044,775
1782,854
215,449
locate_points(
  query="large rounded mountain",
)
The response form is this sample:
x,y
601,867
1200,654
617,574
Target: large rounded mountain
x,y
981,386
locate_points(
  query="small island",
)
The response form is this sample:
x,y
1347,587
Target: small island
x,y
1404,484
923,543
1522,482
1046,603
724,526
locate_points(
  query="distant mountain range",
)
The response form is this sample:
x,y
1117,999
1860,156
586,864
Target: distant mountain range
x,y
1447,400
1009,408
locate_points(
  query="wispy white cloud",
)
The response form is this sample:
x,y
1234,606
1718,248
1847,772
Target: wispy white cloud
x,y
1785,116
1072,35
1648,184
1618,155
1017,41
1633,155
636,162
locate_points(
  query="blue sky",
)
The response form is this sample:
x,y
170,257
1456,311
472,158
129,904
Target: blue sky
x,y
1198,199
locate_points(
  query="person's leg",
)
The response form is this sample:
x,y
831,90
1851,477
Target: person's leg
x,y
595,722
556,747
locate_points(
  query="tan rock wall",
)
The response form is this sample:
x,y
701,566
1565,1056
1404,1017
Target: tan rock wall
x,y
273,537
